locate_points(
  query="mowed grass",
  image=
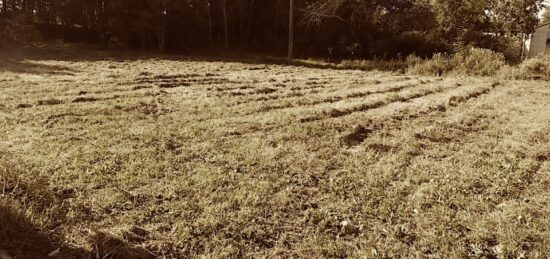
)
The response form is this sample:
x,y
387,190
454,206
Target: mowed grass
x,y
137,156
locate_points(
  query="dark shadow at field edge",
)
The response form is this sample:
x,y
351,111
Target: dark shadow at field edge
x,y
86,53
20,239
26,199
28,67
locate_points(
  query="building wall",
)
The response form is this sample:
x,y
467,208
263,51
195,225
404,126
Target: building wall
x,y
539,41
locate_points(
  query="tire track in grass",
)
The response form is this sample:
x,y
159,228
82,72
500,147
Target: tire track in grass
x,y
254,126
333,99
83,100
179,80
460,126
362,132
335,113
299,92
243,86
466,127
315,101
275,98
271,96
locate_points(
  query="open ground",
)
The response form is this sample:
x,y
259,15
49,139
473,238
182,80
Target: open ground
x,y
137,156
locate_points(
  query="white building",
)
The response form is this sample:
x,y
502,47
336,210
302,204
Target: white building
x,y
540,40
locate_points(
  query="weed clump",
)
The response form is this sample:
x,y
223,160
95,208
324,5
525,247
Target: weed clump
x,y
367,65
537,68
472,62
436,66
478,62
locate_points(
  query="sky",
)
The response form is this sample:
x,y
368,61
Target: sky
x,y
547,2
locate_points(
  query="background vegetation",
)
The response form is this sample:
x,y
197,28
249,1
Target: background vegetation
x,y
333,29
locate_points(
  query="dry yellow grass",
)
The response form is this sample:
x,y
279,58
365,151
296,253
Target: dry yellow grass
x,y
136,156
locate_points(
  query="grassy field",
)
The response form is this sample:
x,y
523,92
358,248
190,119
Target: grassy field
x,y
139,156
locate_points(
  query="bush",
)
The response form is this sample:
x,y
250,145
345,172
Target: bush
x,y
16,31
438,65
535,68
473,62
376,64
413,60
365,65
478,62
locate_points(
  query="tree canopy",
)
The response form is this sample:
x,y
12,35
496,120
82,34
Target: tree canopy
x,y
546,16
340,28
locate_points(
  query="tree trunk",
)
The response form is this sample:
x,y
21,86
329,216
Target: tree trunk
x,y
250,17
225,26
30,7
210,37
4,7
291,32
522,47
161,37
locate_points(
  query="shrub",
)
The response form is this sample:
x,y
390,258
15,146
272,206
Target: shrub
x,y
534,68
438,65
473,62
478,62
413,60
375,64
16,31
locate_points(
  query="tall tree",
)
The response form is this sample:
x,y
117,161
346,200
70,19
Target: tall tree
x,y
291,31
225,24
3,11
209,14
5,6
516,17
546,15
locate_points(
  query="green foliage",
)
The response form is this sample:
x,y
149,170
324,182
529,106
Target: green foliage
x,y
534,68
16,31
376,64
463,20
488,24
473,62
472,20
438,65
546,16
478,62
335,29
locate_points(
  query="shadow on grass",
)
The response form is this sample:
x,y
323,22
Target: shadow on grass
x,y
19,238
87,53
29,67
113,247
30,213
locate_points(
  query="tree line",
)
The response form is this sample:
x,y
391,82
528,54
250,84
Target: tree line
x,y
327,28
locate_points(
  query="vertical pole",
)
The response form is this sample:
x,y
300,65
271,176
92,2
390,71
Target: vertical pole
x,y
291,32
224,6
523,46
4,7
210,37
